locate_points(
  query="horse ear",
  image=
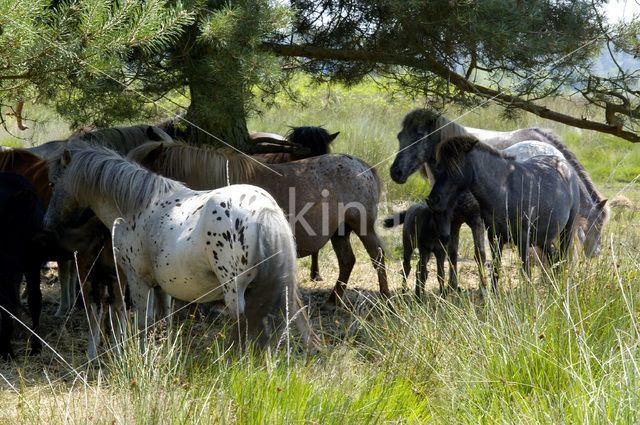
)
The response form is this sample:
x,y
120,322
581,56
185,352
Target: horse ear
x,y
152,134
66,158
154,155
333,136
602,203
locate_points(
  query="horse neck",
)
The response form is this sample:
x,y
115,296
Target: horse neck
x,y
38,175
487,185
110,202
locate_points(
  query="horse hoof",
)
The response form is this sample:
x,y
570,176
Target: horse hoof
x,y
317,278
34,350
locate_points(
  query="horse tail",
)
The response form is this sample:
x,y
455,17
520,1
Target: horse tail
x,y
277,246
394,219
590,187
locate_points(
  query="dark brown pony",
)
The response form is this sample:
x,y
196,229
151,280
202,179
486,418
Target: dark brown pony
x,y
317,140
30,166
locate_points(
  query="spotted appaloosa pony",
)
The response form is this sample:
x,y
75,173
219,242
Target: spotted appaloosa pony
x,y
423,129
318,142
430,231
534,202
232,243
326,197
21,213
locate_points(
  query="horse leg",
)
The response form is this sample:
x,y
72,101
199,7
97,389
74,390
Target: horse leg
x,y
376,253
452,253
496,244
406,264
142,303
117,310
315,269
421,272
346,260
477,231
440,257
9,284
409,242
66,276
32,275
523,248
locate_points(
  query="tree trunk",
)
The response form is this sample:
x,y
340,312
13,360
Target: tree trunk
x,y
216,116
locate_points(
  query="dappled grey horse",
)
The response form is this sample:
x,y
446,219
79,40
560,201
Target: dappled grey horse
x,y
591,218
534,202
423,129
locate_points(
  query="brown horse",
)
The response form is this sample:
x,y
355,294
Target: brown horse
x,y
318,142
30,166
325,197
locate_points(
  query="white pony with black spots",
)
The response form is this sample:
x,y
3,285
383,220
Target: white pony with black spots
x,y
232,244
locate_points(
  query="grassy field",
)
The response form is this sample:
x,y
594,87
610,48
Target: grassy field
x,y
560,349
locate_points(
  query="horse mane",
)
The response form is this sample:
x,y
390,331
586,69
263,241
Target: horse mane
x,y
121,139
553,140
449,128
9,155
208,165
449,152
96,169
423,121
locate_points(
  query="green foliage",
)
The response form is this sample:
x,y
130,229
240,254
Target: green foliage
x,y
71,53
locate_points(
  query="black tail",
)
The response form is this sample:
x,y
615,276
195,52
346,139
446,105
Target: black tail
x,y
394,219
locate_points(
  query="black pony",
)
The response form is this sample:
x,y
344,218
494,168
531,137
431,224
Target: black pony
x,y
431,231
21,214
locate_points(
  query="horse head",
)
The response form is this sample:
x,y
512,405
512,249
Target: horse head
x,y
595,220
63,207
417,140
316,139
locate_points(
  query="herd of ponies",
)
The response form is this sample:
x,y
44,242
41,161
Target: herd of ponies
x,y
134,218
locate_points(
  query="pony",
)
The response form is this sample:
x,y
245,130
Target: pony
x,y
423,129
36,171
423,230
528,203
318,142
232,244
21,213
321,195
120,139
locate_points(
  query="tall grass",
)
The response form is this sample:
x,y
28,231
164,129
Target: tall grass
x,y
562,349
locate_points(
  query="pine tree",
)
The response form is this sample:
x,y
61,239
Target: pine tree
x,y
74,54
